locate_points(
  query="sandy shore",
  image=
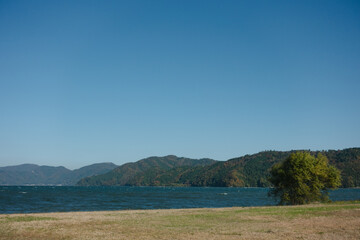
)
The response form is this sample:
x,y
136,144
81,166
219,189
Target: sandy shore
x,y
318,221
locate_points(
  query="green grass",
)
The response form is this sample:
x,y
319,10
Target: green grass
x,y
345,202
302,210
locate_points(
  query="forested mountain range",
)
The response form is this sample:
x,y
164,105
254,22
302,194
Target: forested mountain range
x,y
31,174
246,171
143,169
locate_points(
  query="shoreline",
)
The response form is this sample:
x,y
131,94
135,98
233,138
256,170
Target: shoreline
x,y
186,209
337,220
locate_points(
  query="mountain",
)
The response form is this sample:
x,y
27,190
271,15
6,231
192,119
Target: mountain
x,y
91,170
124,174
31,174
348,161
254,170
246,171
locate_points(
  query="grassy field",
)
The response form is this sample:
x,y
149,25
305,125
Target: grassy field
x,y
339,220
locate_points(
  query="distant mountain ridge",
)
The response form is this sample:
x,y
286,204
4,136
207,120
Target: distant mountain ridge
x,y
32,174
246,171
122,175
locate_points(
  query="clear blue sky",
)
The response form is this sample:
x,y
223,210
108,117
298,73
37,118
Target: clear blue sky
x,y
92,81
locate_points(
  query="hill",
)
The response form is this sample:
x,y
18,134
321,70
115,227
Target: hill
x,y
246,171
31,174
126,173
348,162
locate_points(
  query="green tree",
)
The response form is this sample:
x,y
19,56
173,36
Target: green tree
x,y
303,178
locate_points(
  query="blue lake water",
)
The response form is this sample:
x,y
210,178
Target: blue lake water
x,y
26,199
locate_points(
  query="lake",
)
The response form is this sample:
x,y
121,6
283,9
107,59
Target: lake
x,y
33,199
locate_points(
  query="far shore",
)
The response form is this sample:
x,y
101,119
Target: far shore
x,y
338,220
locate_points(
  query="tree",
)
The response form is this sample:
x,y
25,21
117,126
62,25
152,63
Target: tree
x,y
303,178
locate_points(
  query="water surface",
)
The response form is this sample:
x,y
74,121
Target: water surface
x,y
26,199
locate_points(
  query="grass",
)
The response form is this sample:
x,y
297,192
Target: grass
x,y
316,221
25,219
309,210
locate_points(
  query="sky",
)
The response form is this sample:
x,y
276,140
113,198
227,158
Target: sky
x,y
84,82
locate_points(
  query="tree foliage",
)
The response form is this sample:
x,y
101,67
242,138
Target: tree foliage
x,y
303,178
